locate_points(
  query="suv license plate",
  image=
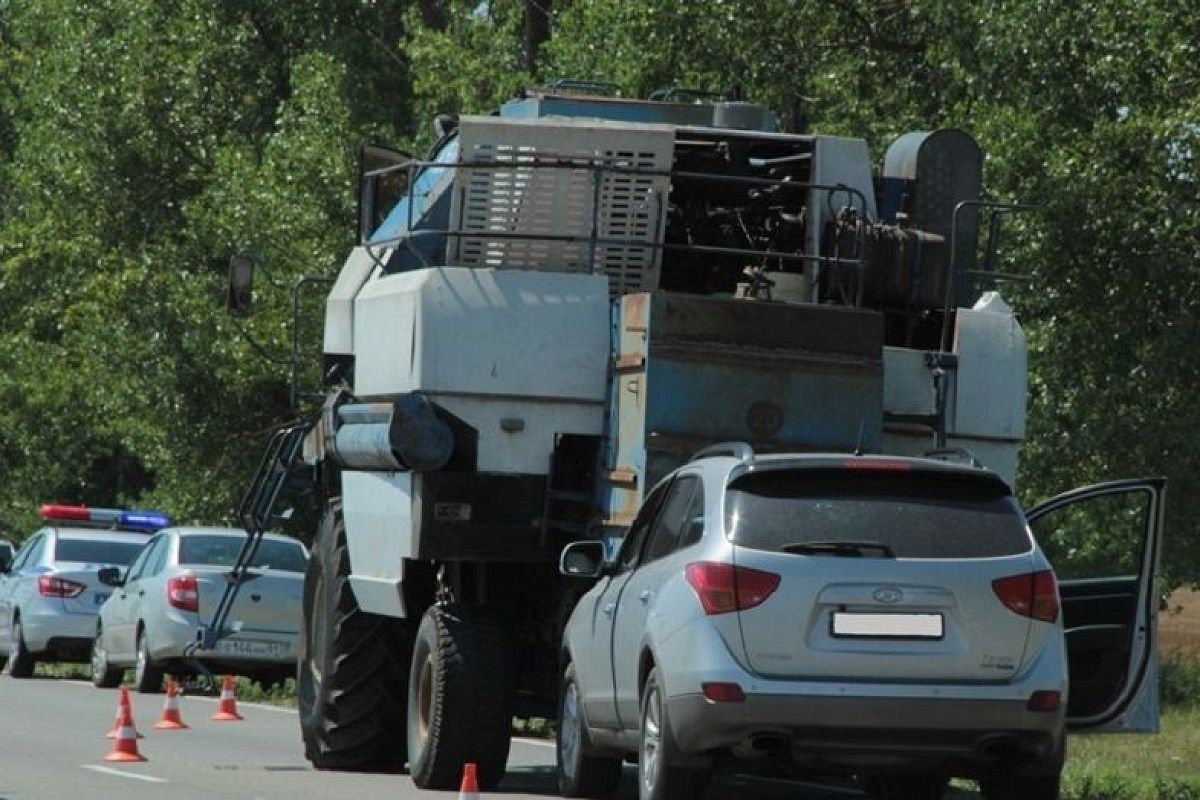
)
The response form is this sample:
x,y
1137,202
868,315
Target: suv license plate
x,y
250,648
887,626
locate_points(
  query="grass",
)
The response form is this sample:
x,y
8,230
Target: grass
x,y
248,690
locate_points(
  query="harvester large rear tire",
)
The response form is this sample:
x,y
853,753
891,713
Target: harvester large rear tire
x,y
460,698
353,666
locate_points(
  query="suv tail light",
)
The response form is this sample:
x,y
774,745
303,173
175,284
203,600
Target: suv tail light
x,y
723,587
183,593
1033,595
51,586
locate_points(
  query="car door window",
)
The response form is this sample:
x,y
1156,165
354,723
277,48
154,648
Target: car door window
x,y
158,559
670,524
34,556
22,557
138,568
694,528
631,548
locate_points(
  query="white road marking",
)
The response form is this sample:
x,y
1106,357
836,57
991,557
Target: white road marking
x,y
120,774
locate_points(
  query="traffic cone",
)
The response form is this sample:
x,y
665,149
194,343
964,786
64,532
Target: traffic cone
x,y
469,789
227,708
123,705
170,720
125,747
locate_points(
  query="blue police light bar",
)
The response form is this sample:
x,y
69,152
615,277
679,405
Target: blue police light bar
x,y
144,520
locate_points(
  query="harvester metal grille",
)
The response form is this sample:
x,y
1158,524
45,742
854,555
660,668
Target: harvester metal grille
x,y
592,207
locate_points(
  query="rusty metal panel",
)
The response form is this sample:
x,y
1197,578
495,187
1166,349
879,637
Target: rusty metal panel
x,y
696,370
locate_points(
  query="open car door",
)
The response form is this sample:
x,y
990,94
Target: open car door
x,y
1103,542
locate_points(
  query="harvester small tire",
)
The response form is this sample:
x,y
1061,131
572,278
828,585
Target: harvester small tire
x,y
352,666
460,697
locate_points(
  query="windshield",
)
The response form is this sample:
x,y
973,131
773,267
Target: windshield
x,y
97,551
914,515
222,551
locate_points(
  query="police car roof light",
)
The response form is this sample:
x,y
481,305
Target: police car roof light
x,y
134,519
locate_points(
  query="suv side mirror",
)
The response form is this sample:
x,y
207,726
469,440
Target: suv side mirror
x,y
240,294
110,576
583,559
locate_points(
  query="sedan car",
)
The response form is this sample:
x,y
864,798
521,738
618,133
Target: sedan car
x,y
889,618
150,623
50,593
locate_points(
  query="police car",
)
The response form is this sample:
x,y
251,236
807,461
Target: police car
x,y
50,593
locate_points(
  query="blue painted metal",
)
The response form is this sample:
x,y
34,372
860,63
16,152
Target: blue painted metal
x,y
690,371
426,206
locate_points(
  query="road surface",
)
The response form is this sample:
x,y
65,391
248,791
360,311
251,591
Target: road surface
x,y
52,746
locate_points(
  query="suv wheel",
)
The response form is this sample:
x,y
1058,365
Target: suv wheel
x,y
20,661
104,675
658,779
580,774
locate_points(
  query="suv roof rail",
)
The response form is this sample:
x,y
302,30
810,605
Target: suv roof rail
x,y
739,450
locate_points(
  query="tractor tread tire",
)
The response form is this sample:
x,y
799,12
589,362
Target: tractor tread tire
x,y
352,718
470,715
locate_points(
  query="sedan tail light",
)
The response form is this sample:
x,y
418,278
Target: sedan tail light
x,y
722,587
183,593
1033,595
51,586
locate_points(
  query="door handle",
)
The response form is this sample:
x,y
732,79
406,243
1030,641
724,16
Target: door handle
x,y
141,592
645,595
608,609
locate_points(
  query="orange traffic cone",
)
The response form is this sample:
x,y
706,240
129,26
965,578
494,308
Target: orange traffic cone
x,y
125,747
123,705
469,789
170,720
227,708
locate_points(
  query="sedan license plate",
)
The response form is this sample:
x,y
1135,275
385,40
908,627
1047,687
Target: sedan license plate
x,y
887,626
250,648
100,597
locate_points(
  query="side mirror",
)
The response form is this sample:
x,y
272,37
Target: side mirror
x,y
240,293
110,576
582,559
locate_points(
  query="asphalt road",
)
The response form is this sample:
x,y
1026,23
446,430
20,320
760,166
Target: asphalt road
x,y
52,746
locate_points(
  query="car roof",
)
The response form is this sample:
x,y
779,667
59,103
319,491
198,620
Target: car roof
x,y
205,530
853,463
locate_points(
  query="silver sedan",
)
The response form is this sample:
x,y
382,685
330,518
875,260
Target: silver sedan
x,y
172,589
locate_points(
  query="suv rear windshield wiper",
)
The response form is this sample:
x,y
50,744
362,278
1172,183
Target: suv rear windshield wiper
x,y
843,549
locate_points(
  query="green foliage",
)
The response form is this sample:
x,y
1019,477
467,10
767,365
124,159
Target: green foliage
x,y
1179,682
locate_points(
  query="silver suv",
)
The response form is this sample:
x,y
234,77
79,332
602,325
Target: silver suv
x,y
890,618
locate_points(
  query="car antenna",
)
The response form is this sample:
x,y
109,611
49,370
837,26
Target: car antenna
x,y
862,432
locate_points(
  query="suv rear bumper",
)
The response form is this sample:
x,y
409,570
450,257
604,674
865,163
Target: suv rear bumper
x,y
872,732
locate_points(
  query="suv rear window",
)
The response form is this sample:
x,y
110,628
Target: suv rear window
x,y
912,515
97,551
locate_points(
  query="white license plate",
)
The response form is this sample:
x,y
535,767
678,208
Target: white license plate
x,y
250,648
101,597
887,626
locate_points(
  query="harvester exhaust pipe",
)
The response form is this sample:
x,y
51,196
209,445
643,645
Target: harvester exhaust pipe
x,y
406,434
